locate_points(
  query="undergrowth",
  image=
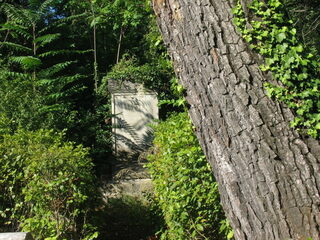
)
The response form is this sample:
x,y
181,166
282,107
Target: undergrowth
x,y
46,185
184,184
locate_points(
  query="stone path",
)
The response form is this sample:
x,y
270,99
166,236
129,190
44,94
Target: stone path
x,y
128,215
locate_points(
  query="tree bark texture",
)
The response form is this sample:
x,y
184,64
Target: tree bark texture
x,y
268,175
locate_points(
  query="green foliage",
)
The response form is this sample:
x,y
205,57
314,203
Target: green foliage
x,y
177,91
183,182
151,75
150,66
154,48
112,20
305,17
45,185
296,69
124,13
45,84
18,103
29,54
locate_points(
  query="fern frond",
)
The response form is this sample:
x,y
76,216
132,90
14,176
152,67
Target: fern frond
x,y
17,15
63,21
69,79
21,30
49,72
63,52
15,75
54,53
52,108
33,4
31,16
11,12
44,82
27,62
56,96
45,5
74,90
64,94
59,81
37,10
46,39
16,47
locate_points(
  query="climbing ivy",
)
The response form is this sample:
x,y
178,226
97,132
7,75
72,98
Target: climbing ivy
x,y
268,31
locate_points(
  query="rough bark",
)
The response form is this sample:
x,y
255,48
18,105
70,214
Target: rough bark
x,y
268,174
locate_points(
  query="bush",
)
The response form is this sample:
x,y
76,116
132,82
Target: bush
x,y
152,76
184,184
45,184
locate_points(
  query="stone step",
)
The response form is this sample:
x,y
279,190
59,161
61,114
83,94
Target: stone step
x,y
15,236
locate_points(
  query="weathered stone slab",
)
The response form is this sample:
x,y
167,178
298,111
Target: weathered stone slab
x,y
129,178
16,236
135,188
134,108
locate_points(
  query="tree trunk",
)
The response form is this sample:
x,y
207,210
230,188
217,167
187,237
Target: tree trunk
x,y
268,174
95,63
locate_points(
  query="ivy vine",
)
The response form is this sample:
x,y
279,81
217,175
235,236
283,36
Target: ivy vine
x,y
266,28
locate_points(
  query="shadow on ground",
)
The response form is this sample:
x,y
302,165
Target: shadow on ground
x,y
129,218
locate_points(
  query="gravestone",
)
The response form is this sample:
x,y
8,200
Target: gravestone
x,y
134,108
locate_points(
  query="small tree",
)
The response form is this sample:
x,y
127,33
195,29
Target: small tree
x,y
29,55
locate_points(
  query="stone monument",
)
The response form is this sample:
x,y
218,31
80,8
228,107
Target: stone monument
x,y
134,108
15,236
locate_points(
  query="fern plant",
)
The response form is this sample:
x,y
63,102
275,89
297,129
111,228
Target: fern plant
x,y
30,52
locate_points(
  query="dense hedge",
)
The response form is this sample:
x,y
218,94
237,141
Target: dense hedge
x,y
44,185
184,185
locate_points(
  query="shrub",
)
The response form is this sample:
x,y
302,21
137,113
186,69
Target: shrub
x,y
152,76
45,184
184,185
